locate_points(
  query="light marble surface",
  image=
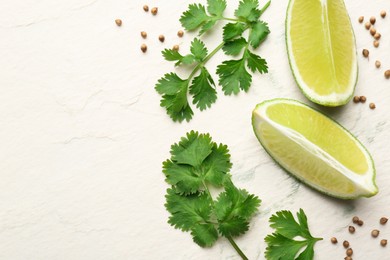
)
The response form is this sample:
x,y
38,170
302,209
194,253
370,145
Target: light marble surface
x,y
83,137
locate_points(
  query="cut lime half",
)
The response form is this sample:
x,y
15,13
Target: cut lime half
x,y
315,149
322,51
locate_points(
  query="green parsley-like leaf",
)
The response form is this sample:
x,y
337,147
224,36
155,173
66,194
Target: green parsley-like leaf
x,y
217,165
182,176
172,55
204,235
192,149
255,62
194,17
174,99
198,49
207,26
216,7
187,211
232,30
282,245
234,47
258,34
233,76
203,91
248,10
233,227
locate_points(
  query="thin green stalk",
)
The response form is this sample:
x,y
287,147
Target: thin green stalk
x,y
265,7
243,256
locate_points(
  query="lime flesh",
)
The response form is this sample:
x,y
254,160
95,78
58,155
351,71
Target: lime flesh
x,y
315,149
322,51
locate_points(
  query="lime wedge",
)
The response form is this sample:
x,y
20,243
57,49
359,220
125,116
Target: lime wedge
x,y
315,149
322,51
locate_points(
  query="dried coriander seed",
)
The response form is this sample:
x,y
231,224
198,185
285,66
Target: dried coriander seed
x,y
383,242
372,106
365,53
161,38
383,220
333,240
154,10
356,99
347,258
144,34
362,99
375,233
180,33
355,219
146,8
376,44
118,22
175,47
378,65
372,31
345,244
367,25
351,229
349,252
377,36
383,14
387,74
144,48
360,222
361,19
372,20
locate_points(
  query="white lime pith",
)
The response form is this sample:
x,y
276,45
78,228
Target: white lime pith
x,y
322,51
315,149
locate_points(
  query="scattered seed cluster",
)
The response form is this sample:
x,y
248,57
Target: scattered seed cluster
x,y
351,229
369,25
144,34
362,99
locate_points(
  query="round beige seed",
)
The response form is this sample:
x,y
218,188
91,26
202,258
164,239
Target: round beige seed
x,y
367,25
333,240
355,219
383,220
180,33
154,10
387,74
146,8
360,222
376,44
375,233
372,20
345,244
161,38
365,53
356,99
118,22
383,242
362,99
372,106
383,14
351,229
175,47
378,65
144,48
361,19
372,31
144,34
349,252
377,36
347,258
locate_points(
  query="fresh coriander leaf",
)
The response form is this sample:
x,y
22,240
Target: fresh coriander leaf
x,y
217,165
234,47
207,26
233,227
192,149
172,55
282,243
233,76
248,10
232,30
258,33
204,235
174,99
194,17
203,91
188,59
187,211
198,49
255,62
216,7
182,176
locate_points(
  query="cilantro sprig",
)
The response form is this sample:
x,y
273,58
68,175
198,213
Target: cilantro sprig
x,y
197,164
283,244
233,74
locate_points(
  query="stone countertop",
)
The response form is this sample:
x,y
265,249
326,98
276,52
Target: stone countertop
x,y
83,136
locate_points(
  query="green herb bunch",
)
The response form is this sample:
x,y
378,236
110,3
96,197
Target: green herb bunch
x,y
233,74
196,165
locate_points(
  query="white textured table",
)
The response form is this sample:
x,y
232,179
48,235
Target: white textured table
x,y
83,136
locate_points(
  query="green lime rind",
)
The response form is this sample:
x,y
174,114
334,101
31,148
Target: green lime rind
x,y
327,103
323,191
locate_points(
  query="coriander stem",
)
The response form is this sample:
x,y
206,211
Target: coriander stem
x,y
243,256
231,19
208,57
265,7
